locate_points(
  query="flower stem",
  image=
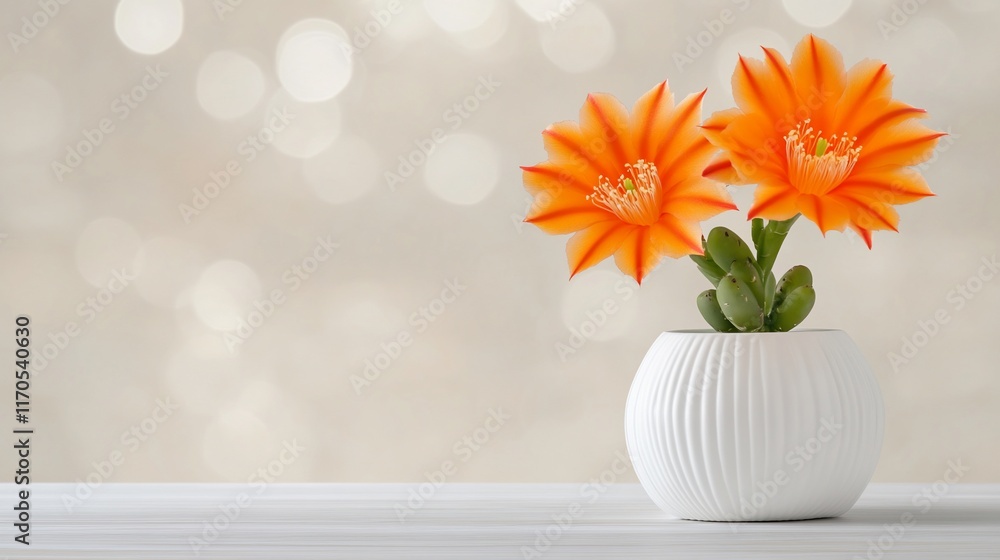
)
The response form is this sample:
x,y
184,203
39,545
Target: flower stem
x,y
772,238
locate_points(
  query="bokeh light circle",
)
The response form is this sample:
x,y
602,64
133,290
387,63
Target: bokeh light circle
x,y
816,14
463,169
224,294
314,60
149,26
229,85
456,16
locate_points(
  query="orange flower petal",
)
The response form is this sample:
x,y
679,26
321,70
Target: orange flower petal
x,y
818,69
644,247
869,213
866,234
675,238
637,256
721,169
568,147
677,133
596,243
653,107
605,121
887,115
764,87
903,145
714,125
899,186
756,151
774,202
555,179
869,85
785,86
564,214
828,213
697,199
681,165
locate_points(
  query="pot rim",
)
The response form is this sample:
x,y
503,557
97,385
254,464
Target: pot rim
x,y
770,333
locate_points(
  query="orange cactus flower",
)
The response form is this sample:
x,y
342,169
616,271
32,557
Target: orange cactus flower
x,y
628,184
830,144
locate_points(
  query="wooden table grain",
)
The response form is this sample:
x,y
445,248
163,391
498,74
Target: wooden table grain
x,y
324,521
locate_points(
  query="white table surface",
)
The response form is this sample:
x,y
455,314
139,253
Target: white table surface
x,y
322,521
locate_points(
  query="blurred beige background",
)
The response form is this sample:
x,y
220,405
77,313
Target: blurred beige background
x,y
225,284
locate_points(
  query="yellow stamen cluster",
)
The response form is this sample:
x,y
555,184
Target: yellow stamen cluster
x,y
636,198
817,165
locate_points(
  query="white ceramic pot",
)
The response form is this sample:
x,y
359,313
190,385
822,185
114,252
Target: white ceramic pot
x,y
754,426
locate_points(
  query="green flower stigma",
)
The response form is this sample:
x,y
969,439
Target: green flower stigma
x,y
821,145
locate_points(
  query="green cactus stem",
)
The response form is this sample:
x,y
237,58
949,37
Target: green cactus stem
x,y
793,309
771,238
725,247
769,289
709,269
739,305
746,271
708,305
796,277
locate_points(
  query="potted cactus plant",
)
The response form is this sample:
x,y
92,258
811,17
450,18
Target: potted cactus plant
x,y
754,419
746,297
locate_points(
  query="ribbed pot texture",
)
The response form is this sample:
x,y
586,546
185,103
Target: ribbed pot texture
x,y
754,426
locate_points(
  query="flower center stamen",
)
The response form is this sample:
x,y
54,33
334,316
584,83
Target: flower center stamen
x,y
637,196
817,165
